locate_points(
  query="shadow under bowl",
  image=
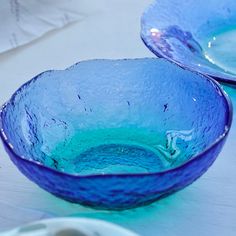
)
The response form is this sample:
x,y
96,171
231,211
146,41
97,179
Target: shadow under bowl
x,y
115,134
197,35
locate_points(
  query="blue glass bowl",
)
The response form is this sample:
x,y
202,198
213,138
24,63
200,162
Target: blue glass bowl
x,y
116,134
197,35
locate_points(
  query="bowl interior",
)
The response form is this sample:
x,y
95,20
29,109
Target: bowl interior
x,y
121,116
197,34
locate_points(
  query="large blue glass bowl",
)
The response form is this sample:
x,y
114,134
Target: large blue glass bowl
x,y
116,134
195,34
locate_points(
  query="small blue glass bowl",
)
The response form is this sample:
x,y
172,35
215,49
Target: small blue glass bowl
x,y
116,134
197,35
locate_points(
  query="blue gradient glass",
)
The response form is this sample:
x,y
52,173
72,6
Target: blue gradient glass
x,y
198,35
116,134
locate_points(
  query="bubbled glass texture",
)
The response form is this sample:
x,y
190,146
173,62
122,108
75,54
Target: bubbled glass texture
x,y
115,134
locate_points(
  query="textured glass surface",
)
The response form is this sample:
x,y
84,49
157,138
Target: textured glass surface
x,y
116,134
198,35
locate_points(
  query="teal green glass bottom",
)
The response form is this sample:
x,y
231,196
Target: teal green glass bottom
x,y
220,49
107,151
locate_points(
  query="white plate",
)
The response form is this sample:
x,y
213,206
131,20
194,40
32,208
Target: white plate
x,y
70,227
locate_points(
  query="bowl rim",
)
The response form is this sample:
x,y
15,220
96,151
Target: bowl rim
x,y
228,123
222,77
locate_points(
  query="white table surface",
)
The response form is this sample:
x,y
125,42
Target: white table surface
x,y
110,29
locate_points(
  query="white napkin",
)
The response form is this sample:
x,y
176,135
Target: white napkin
x,y
22,21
